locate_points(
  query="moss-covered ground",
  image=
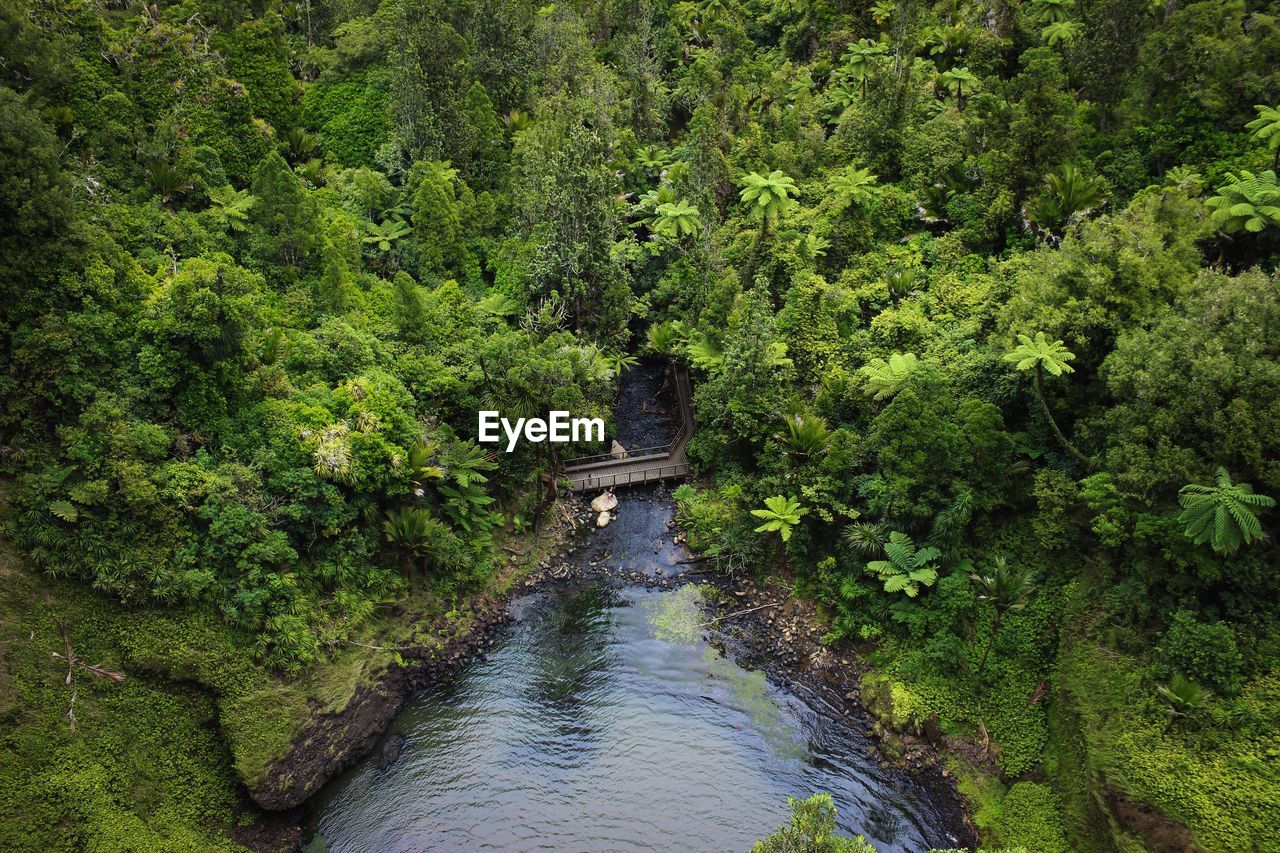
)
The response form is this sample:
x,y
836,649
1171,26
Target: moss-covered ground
x,y
161,760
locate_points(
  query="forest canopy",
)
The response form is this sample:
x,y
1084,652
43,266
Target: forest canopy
x,y
979,298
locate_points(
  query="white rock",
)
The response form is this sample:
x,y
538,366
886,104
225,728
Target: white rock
x,y
604,502
617,451
603,519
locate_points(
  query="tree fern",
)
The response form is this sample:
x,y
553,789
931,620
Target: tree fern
x,y
1225,515
768,195
703,352
1040,356
905,568
1247,202
884,379
781,514
1266,129
852,186
232,205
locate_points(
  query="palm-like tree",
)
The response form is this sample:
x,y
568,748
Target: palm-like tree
x,y
411,530
1040,355
781,515
957,79
298,145
882,11
1266,129
618,362
167,181
517,121
1183,698
852,186
422,465
1074,191
676,219
866,537
1060,32
902,282
857,61
232,205
807,435
384,234
1052,11
884,379
1247,202
905,567
1225,515
769,195
1005,588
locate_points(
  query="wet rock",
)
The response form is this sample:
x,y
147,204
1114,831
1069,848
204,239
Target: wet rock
x,y
604,502
603,519
391,752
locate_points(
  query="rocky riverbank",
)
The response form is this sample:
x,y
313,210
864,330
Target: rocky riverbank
x,y
762,626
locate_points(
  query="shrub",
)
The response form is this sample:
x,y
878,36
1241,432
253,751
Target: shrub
x,y
1205,652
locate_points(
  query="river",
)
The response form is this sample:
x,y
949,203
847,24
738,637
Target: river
x,y
590,726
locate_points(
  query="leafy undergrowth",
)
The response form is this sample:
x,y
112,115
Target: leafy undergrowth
x,y
1001,706
157,761
1097,731
144,769
1021,816
1218,781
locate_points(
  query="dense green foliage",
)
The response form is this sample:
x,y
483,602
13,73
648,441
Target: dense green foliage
x,y
979,299
812,829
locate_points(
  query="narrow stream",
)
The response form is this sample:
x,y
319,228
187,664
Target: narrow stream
x,y
589,728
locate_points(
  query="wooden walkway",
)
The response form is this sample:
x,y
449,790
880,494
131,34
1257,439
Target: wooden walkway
x,y
647,465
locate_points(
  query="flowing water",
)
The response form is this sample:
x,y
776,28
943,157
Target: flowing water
x,y
592,726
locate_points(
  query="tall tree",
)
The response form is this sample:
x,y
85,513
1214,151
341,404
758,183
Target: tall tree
x,y
1007,589
1039,356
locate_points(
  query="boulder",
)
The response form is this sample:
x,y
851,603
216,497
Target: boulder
x,y
604,502
391,752
603,519
617,451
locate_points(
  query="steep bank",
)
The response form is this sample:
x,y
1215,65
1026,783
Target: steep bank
x,y
187,751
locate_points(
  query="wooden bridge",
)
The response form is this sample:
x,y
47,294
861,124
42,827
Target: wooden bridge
x,y
640,465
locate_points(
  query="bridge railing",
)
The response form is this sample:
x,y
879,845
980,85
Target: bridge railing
x,y
605,480
631,453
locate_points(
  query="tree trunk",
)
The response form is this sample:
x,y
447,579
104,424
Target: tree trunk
x,y
991,641
1075,451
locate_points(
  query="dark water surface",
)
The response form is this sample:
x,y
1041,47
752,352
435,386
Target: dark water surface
x,y
584,730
